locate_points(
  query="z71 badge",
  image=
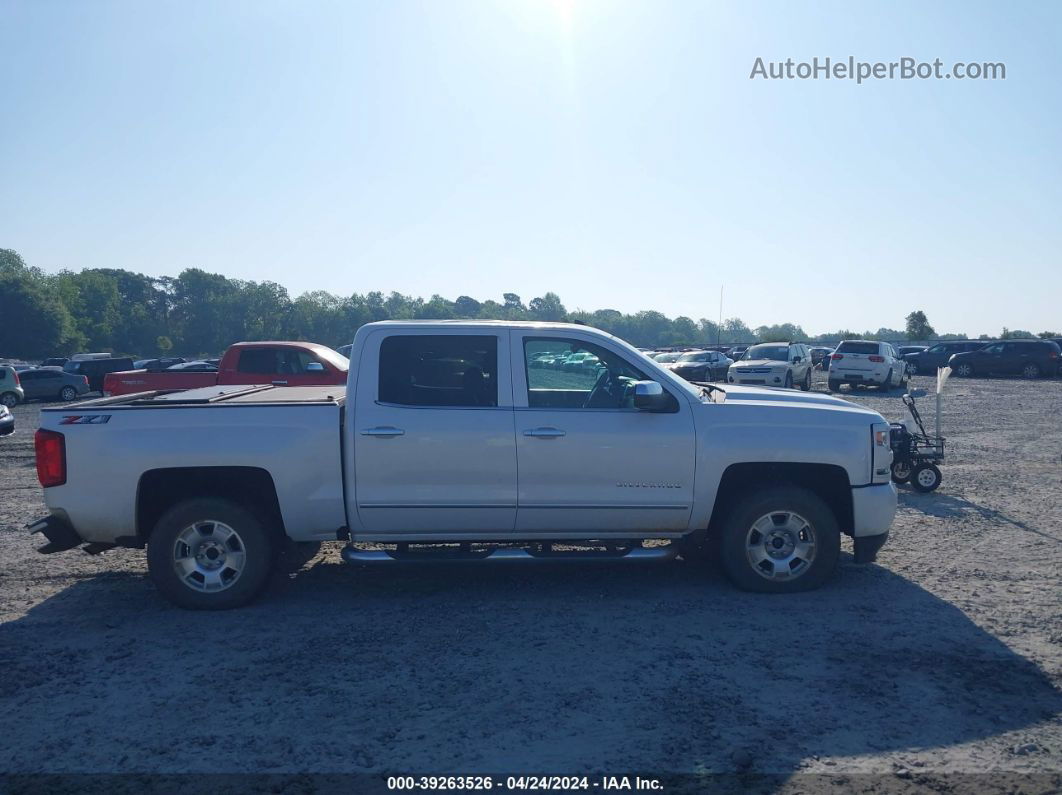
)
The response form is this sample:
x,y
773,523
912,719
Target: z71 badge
x,y
86,419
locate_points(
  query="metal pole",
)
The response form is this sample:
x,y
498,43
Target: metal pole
x,y
719,326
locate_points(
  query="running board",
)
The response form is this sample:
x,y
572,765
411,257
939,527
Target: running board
x,y
506,554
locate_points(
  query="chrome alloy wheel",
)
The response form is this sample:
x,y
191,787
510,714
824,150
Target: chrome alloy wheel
x,y
208,556
780,545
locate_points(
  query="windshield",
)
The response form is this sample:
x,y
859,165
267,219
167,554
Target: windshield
x,y
667,357
694,357
778,353
334,358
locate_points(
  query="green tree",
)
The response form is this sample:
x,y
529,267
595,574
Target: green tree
x,y
918,327
34,323
547,308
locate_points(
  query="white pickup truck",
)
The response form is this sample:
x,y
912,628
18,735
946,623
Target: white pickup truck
x,y
453,441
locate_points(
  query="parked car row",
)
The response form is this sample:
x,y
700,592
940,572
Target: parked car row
x,y
39,383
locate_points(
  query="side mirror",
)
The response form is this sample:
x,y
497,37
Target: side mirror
x,y
796,360
649,396
315,367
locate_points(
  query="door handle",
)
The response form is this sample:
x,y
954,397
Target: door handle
x,y
384,431
544,433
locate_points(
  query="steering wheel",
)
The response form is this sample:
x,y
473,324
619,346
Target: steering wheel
x,y
601,386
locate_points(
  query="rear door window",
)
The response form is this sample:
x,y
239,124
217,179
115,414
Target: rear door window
x,y
439,370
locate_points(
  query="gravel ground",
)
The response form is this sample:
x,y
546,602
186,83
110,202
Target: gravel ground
x,y
943,658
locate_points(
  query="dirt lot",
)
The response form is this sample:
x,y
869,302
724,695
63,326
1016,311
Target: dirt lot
x,y
943,658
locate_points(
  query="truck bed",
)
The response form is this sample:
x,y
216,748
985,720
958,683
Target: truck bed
x,y
290,433
233,395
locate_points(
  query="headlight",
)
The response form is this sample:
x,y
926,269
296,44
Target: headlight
x,y
881,452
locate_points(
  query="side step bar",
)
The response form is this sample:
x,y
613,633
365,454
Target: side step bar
x,y
352,554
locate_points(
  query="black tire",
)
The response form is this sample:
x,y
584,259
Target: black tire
x,y
901,471
913,367
67,394
789,379
886,385
805,385
737,527
9,399
1030,371
964,370
833,386
257,541
925,478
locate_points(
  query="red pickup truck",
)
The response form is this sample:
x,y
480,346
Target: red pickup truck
x,y
277,363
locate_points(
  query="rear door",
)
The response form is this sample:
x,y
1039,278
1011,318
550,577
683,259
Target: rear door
x,y
432,433
589,462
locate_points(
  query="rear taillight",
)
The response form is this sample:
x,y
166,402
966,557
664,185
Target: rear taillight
x,y
877,358
18,381
85,379
51,457
836,355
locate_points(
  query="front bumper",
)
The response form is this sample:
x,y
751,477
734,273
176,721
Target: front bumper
x,y
60,534
873,509
866,547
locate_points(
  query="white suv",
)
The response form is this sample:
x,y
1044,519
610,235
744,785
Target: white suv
x,y
783,364
866,362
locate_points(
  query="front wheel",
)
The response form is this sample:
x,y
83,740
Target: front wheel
x,y
925,478
964,370
789,380
68,393
912,368
779,540
9,399
805,385
901,471
210,554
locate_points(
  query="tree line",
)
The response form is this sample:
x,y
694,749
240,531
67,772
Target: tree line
x,y
197,313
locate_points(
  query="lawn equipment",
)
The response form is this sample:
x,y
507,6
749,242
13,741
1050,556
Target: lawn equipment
x,y
917,456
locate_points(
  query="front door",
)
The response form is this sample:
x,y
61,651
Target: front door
x,y
588,460
432,434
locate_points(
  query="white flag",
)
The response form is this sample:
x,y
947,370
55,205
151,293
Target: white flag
x,y
942,378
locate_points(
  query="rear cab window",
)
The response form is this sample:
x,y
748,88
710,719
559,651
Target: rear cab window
x,y
858,347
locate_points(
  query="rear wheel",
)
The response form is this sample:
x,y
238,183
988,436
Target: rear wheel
x,y
780,540
833,386
805,385
210,554
1030,371
886,385
925,478
9,399
67,393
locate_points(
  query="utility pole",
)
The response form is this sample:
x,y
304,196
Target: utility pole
x,y
719,326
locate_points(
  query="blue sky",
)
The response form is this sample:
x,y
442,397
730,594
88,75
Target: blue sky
x,y
616,153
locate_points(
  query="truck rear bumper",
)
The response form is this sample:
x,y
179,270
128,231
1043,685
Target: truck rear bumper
x,y
60,534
